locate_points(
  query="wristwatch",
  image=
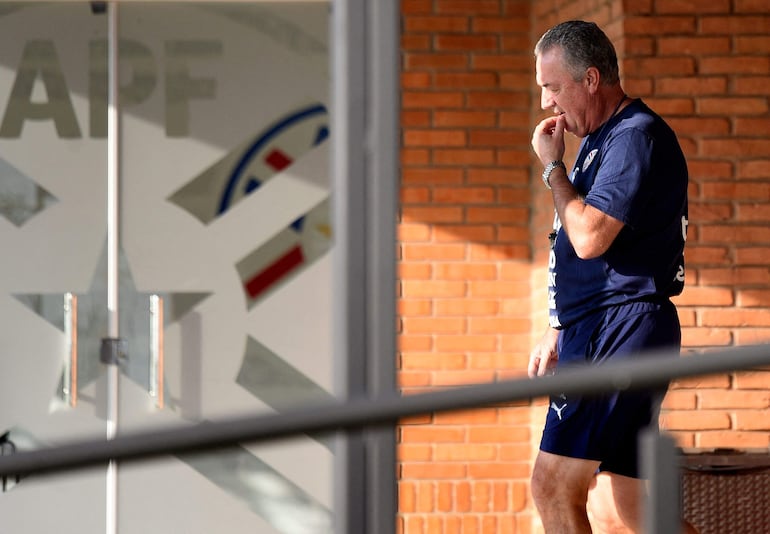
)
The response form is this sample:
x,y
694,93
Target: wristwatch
x,y
549,169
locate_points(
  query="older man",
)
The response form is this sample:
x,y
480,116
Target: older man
x,y
616,259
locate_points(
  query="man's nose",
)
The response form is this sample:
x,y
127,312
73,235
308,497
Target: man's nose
x,y
546,102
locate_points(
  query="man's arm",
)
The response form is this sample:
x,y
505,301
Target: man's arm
x,y
590,230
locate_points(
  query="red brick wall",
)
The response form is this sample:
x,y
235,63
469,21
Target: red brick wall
x,y
475,217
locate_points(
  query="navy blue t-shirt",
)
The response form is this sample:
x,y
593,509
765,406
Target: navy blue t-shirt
x,y
632,169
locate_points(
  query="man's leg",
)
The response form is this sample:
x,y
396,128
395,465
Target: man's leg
x,y
560,490
614,505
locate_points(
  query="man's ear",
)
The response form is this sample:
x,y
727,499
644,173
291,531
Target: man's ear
x,y
592,79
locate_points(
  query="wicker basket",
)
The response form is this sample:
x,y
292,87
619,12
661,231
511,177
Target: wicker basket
x,y
727,492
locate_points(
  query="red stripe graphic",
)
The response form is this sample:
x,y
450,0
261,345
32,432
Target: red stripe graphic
x,y
274,272
278,160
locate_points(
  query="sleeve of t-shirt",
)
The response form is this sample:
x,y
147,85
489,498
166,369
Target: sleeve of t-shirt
x,y
620,189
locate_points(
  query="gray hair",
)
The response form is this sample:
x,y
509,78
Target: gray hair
x,y
584,45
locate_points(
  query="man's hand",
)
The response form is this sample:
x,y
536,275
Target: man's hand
x,y
544,355
548,139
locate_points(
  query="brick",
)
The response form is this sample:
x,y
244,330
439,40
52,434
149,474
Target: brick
x,y
759,168
414,231
667,106
706,255
705,296
465,271
433,99
702,85
415,307
754,191
500,289
432,60
734,64
753,213
467,342
501,62
711,211
710,400
415,118
432,470
691,45
754,255
706,337
697,382
498,325
691,6
750,85
414,453
465,80
493,214
416,80
414,42
732,105
410,381
734,25
680,400
412,7
660,25
463,195
494,175
414,157
433,361
432,434
753,379
415,195
415,271
493,434
495,470
448,118
752,44
752,336
467,307
518,234
735,317
432,176
518,24
465,453
710,169
751,6
498,138
696,420
433,137
497,99
466,42
749,234
434,289
435,24
448,233
752,126
469,7
700,126
461,156
749,298
436,214
752,420
735,440
433,325
444,497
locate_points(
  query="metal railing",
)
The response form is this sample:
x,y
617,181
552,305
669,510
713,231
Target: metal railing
x,y
652,370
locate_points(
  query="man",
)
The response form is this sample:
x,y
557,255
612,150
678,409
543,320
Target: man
x,y
616,258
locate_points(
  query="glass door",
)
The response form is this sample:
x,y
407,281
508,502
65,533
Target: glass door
x,y
221,265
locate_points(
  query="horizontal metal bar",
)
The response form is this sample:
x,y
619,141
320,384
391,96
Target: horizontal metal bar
x,y
648,370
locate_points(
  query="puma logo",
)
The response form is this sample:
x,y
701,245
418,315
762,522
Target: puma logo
x,y
555,407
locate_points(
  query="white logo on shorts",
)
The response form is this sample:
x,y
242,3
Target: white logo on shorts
x,y
558,409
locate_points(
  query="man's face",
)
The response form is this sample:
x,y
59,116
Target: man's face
x,y
561,93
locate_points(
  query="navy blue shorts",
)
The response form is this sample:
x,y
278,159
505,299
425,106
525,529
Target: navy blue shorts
x,y
606,427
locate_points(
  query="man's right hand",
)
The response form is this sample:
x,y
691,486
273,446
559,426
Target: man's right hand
x,y
544,356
